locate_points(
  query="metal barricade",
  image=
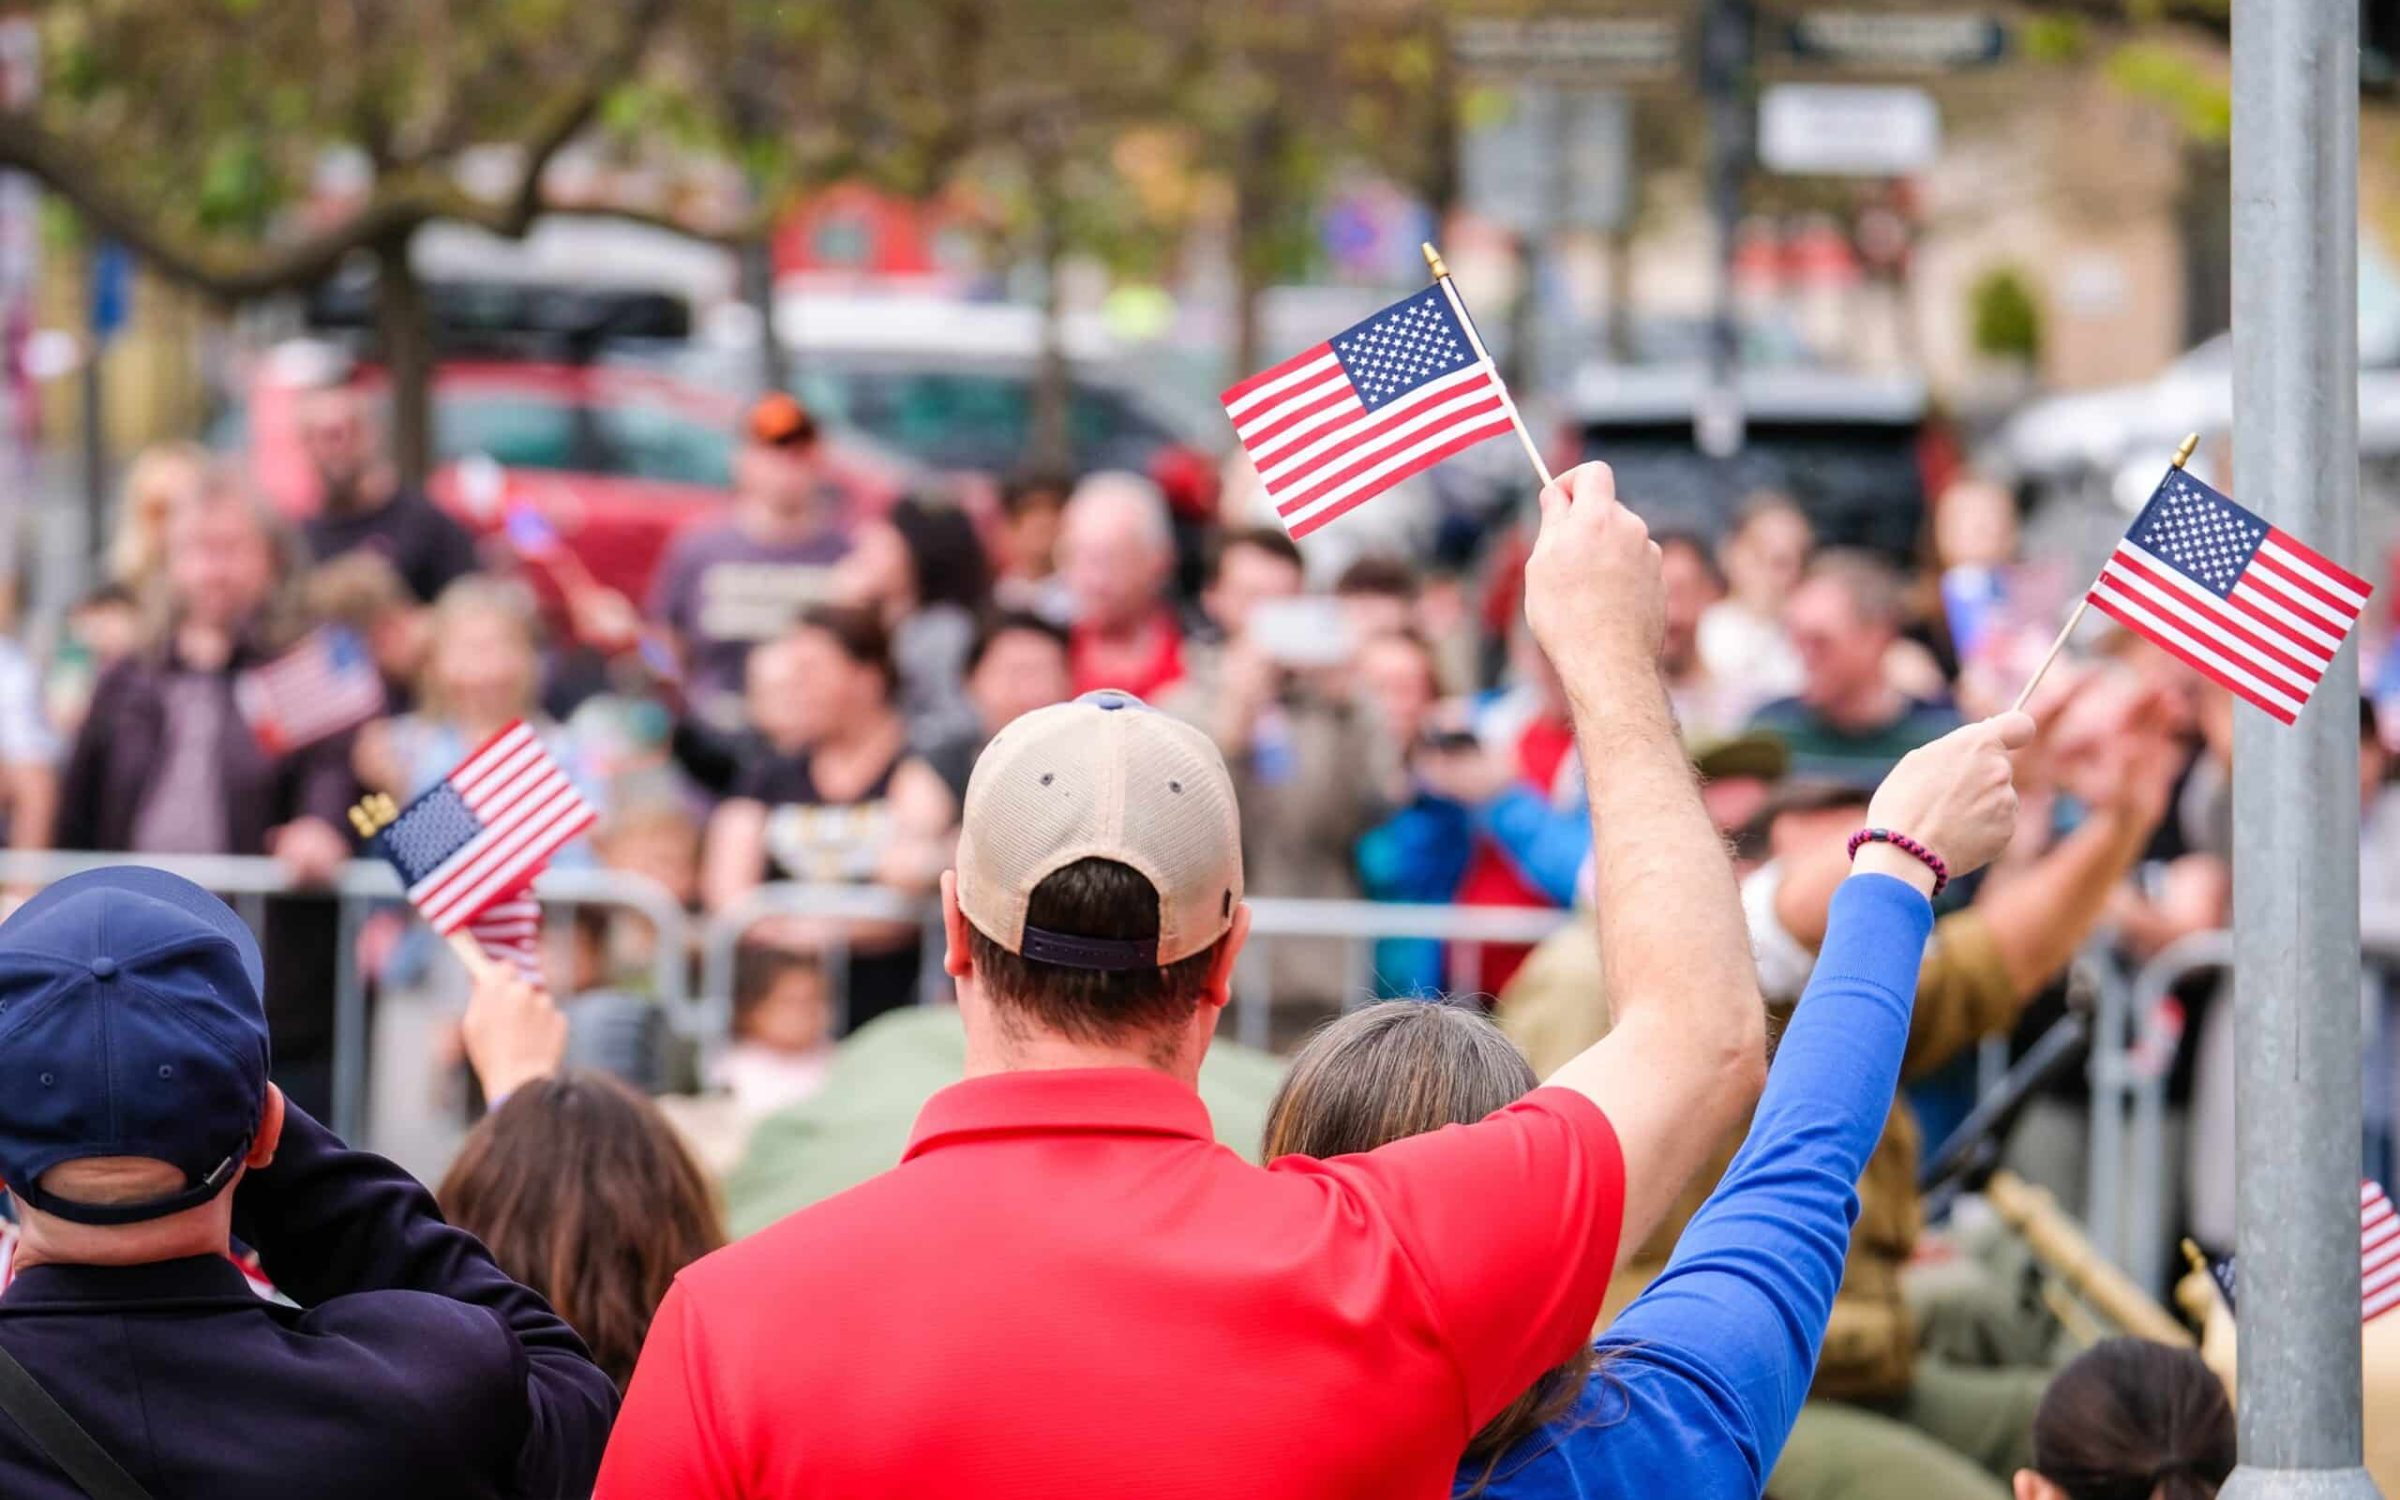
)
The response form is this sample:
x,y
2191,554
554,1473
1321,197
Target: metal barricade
x,y
1357,924
358,889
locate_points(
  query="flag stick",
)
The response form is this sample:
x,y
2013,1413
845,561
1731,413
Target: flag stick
x,y
2183,455
1441,277
479,963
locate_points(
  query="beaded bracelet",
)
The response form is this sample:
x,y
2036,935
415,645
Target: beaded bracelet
x,y
1906,845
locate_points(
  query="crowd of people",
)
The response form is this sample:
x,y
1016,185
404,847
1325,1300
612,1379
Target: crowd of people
x,y
1019,722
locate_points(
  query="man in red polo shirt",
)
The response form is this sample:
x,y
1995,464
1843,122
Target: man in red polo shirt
x,y
1067,1288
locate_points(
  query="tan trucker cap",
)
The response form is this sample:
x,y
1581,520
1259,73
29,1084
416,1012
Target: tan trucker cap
x,y
1103,777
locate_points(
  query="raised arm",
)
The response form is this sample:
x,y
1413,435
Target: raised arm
x,y
1686,1055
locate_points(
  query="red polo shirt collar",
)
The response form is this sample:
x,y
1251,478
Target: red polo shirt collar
x,y
1109,1101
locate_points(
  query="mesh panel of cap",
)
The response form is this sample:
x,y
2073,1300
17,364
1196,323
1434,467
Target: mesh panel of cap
x,y
1078,781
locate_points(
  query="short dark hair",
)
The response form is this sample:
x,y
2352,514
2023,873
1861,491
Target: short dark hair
x,y
1272,540
1002,622
1019,492
1379,575
859,632
1092,898
944,552
2130,1417
1695,544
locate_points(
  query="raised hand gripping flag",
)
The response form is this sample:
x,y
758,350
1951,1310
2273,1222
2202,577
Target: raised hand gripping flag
x,y
1334,426
2243,603
481,836
319,688
510,933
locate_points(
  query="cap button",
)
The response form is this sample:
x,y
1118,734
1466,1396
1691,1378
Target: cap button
x,y
104,967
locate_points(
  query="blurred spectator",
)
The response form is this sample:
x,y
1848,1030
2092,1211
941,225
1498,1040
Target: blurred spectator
x,y
613,1027
1741,637
361,503
29,751
396,1358
1117,553
2131,1420
722,589
482,674
1247,568
1419,852
839,799
164,764
161,477
1378,595
782,1031
102,628
1018,663
1522,782
1706,708
1849,723
1031,510
921,568
576,1183
363,595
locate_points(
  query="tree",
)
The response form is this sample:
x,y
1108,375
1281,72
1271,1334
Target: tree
x,y
197,133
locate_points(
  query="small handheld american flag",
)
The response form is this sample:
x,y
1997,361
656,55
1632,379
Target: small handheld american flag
x,y
322,686
510,932
2378,1256
1341,422
2240,601
476,840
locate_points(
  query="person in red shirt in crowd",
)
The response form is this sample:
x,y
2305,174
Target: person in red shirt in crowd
x,y
1116,551
1067,1287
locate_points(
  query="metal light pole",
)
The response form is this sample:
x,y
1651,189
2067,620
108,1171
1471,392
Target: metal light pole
x,y
2295,805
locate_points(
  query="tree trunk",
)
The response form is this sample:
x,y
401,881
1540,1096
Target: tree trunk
x,y
1049,445
758,289
404,327
1257,211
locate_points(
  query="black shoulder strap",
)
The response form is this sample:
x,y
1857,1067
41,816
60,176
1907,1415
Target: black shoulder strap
x,y
61,1436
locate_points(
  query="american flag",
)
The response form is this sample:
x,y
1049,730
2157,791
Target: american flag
x,y
324,685
510,933
2243,603
1334,426
482,835
2378,1256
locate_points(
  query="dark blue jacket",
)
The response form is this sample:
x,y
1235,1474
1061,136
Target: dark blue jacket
x,y
413,1366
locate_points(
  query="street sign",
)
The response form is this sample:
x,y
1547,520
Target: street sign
x,y
1843,130
1897,41
1570,49
1538,157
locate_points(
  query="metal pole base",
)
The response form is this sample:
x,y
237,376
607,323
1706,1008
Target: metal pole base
x,y
2249,1483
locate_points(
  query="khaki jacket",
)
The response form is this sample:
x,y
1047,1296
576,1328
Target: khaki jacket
x,y
1554,1008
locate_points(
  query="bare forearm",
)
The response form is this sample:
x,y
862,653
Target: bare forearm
x,y
33,806
2042,916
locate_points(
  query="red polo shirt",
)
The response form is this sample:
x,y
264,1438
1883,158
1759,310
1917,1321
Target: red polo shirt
x,y
1068,1288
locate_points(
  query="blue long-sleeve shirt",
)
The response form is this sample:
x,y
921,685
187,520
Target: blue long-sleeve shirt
x,y
1701,1378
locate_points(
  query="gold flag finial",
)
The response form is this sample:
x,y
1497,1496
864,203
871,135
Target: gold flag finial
x,y
373,813
2191,445
1433,262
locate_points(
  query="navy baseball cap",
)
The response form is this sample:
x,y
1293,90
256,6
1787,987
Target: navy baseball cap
x,y
131,1024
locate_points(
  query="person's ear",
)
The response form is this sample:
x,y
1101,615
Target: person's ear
x,y
1219,989
2032,1486
270,1131
957,961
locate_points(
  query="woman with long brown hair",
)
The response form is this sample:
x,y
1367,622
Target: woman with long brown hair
x,y
1695,1386
2131,1420
582,1191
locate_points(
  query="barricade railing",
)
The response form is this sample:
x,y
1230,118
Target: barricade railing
x,y
358,888
2136,1039
1356,924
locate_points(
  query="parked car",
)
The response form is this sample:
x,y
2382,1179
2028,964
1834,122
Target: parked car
x,y
616,459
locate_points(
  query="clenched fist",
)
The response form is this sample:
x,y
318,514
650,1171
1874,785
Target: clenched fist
x,y
1592,589
1958,795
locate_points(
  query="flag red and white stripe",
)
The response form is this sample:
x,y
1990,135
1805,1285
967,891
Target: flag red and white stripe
x,y
510,932
528,810
1338,424
2378,1252
322,686
2242,602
